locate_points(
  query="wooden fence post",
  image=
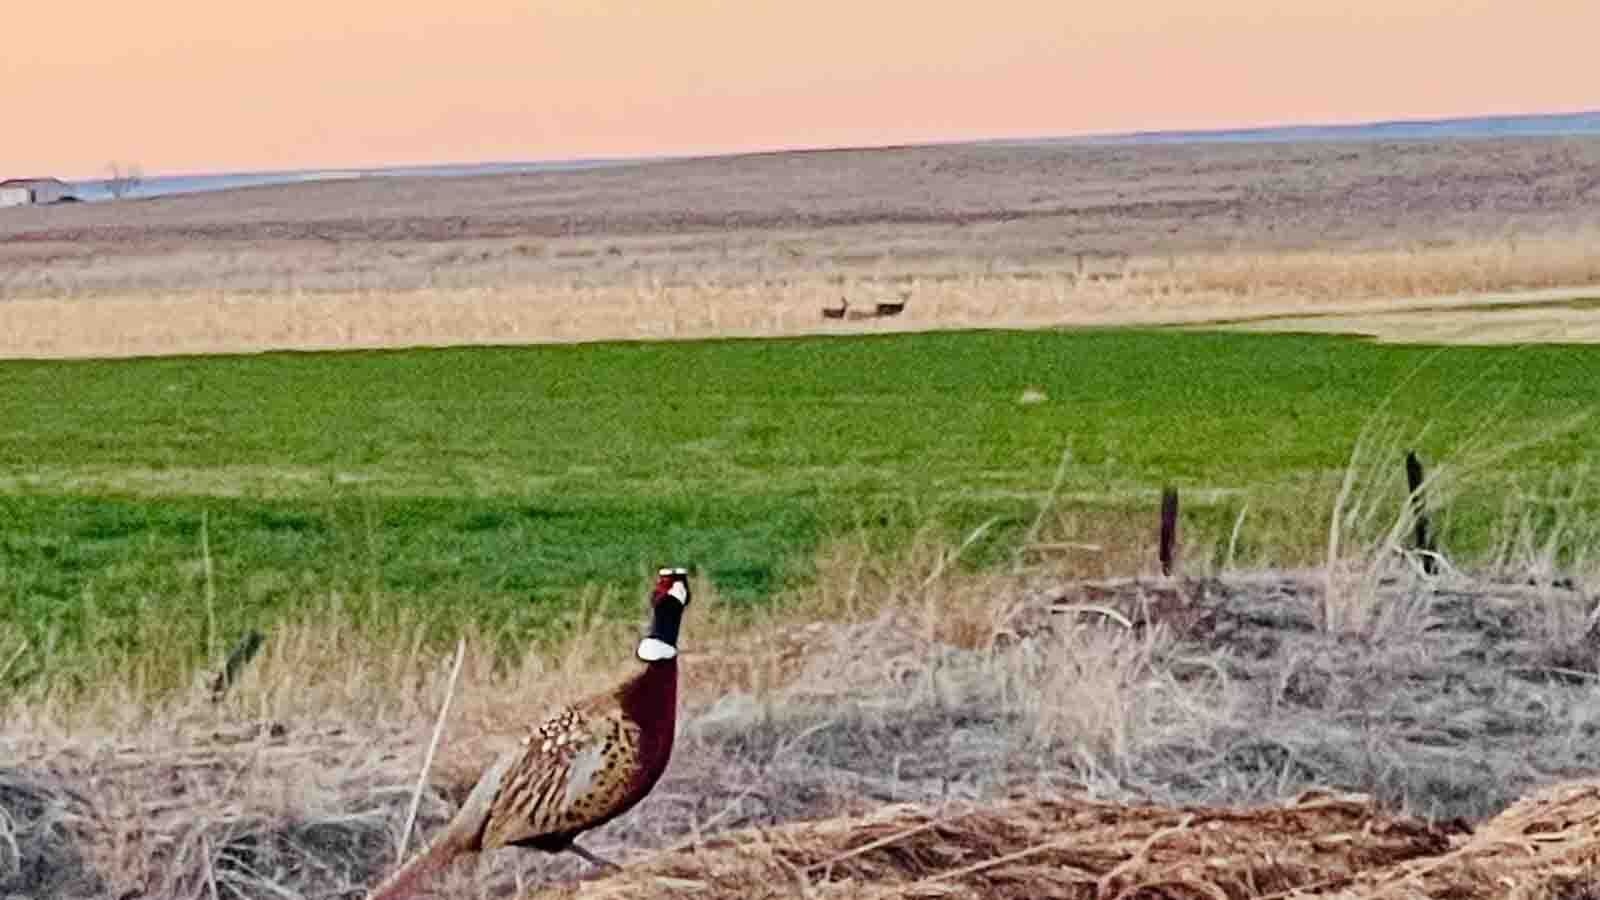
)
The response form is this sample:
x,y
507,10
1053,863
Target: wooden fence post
x,y
1422,538
1168,548
238,658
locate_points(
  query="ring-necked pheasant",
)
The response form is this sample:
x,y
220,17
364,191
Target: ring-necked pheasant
x,y
581,767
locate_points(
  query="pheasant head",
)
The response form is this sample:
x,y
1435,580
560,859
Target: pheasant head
x,y
667,602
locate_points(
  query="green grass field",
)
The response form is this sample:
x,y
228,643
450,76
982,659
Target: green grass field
x,y
495,485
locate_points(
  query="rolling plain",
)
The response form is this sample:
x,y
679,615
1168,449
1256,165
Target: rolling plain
x,y
934,655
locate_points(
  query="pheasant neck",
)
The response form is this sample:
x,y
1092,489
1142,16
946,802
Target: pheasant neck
x,y
665,620
650,699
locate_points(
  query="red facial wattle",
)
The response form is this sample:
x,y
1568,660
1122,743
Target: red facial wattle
x,y
663,586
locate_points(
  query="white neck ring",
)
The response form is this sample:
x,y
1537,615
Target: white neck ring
x,y
656,650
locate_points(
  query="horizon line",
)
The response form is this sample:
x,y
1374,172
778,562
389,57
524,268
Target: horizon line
x,y
1053,137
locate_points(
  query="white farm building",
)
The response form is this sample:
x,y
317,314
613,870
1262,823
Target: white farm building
x,y
34,191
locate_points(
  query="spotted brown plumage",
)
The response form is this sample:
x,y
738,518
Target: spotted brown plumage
x,y
579,768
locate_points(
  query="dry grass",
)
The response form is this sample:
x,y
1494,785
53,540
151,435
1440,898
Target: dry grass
x,y
1422,270
1538,323
889,681
1031,848
1545,847
979,236
1370,530
120,326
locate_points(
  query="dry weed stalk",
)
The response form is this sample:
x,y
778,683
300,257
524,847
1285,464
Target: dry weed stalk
x,y
427,759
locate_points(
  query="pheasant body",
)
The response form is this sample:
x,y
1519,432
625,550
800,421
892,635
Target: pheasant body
x,y
587,764
579,768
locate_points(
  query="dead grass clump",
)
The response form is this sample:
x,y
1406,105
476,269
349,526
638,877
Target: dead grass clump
x,y
1373,521
1544,847
41,831
931,682
252,813
1058,847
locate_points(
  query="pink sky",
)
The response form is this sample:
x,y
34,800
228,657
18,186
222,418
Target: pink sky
x,y
202,85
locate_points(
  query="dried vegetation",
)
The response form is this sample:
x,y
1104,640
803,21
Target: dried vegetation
x,y
1014,236
1546,847
904,729
1070,847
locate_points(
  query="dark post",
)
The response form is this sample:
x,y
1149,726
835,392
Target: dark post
x,y
241,655
1169,529
1422,540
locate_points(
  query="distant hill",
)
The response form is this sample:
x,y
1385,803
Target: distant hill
x,y
1553,125
1563,124
164,185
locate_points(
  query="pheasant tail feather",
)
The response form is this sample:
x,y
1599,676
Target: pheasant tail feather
x,y
462,835
423,866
